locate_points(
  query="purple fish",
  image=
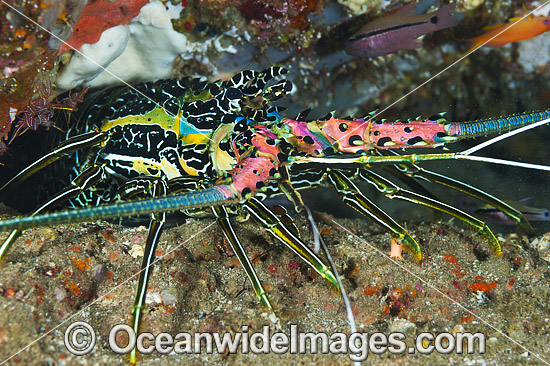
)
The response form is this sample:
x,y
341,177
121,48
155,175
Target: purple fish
x,y
532,214
398,31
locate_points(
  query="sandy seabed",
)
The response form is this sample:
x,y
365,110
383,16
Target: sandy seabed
x,y
55,276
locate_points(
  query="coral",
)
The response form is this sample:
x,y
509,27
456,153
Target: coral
x,y
470,4
533,53
132,53
98,16
357,7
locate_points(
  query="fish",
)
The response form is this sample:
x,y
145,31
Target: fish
x,y
532,214
521,28
398,31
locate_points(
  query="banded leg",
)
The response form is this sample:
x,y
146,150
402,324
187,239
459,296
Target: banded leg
x,y
71,145
294,196
412,183
284,217
418,172
351,195
157,187
500,205
393,191
84,181
268,220
223,221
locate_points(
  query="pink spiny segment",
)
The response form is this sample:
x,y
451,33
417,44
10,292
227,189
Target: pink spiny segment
x,y
252,172
358,135
247,177
315,137
420,133
320,138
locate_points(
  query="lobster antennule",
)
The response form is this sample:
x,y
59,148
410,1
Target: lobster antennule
x,y
169,203
328,135
484,127
433,132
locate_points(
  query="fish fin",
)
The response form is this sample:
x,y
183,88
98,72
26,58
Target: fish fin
x,y
491,27
525,201
518,19
413,45
445,16
526,12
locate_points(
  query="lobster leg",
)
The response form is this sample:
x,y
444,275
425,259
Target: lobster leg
x,y
418,172
351,195
267,219
294,196
223,221
285,219
71,145
405,178
403,161
84,181
392,191
158,187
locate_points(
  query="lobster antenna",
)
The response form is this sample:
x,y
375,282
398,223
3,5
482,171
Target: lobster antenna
x,y
461,156
503,137
315,230
169,203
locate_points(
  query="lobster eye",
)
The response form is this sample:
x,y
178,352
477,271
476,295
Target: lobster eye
x,y
233,93
546,21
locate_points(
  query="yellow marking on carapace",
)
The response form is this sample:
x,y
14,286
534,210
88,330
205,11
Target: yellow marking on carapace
x,y
169,169
194,139
142,166
188,169
224,161
157,116
204,95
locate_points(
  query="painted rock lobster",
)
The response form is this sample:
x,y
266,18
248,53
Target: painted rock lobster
x,y
222,148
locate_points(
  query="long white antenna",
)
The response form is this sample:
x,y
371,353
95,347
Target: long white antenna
x,y
503,162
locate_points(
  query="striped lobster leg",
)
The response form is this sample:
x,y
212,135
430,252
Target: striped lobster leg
x,y
272,224
393,191
415,171
400,173
353,197
222,218
294,196
449,132
65,148
154,188
81,183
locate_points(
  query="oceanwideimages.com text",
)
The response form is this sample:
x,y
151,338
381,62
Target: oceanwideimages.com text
x,y
357,345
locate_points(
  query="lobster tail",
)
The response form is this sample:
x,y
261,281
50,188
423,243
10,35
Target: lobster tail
x,y
484,127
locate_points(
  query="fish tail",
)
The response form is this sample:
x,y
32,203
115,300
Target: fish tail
x,y
444,17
